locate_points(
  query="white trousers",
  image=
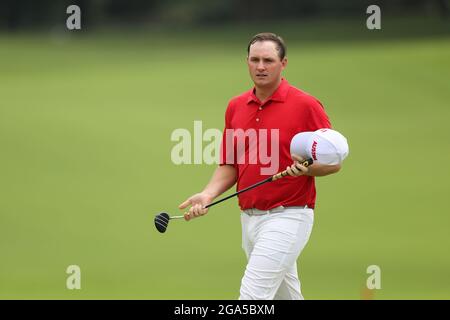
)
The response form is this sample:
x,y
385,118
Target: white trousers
x,y
272,243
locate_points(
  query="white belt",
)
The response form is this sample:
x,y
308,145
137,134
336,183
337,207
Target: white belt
x,y
256,212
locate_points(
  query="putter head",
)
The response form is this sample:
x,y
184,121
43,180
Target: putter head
x,y
162,221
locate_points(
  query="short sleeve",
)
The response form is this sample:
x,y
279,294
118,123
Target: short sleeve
x,y
317,117
227,152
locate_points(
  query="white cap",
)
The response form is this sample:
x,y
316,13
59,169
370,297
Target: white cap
x,y
325,146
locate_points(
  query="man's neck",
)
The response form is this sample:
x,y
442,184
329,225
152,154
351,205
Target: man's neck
x,y
263,93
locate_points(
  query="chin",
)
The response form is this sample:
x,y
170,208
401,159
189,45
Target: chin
x,y
262,82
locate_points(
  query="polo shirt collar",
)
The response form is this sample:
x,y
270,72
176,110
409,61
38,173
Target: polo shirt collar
x,y
279,95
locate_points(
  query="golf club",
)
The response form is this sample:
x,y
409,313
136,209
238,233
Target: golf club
x,y
162,219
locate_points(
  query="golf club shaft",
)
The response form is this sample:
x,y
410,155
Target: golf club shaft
x,y
176,217
277,176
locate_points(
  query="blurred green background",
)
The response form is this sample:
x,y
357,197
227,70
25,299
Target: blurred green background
x,y
85,126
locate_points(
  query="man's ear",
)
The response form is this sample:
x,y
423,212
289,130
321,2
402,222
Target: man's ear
x,y
284,62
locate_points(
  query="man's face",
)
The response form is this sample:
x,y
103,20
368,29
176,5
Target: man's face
x,y
264,64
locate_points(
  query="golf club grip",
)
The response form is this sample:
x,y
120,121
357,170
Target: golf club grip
x,y
277,176
305,163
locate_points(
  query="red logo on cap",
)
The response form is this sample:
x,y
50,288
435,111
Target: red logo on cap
x,y
313,150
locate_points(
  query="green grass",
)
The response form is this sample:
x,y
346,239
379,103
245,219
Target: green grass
x,y
85,126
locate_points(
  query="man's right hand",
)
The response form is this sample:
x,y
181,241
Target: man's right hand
x,y
197,202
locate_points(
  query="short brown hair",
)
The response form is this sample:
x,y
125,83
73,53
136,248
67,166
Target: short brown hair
x,y
267,36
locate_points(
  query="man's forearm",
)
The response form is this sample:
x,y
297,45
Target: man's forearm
x,y
223,179
320,170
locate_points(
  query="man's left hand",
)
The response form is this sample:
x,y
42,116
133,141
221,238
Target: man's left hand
x,y
297,169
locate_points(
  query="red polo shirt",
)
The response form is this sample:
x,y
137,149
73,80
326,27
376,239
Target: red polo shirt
x,y
289,110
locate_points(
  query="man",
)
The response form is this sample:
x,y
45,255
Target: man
x,y
277,217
